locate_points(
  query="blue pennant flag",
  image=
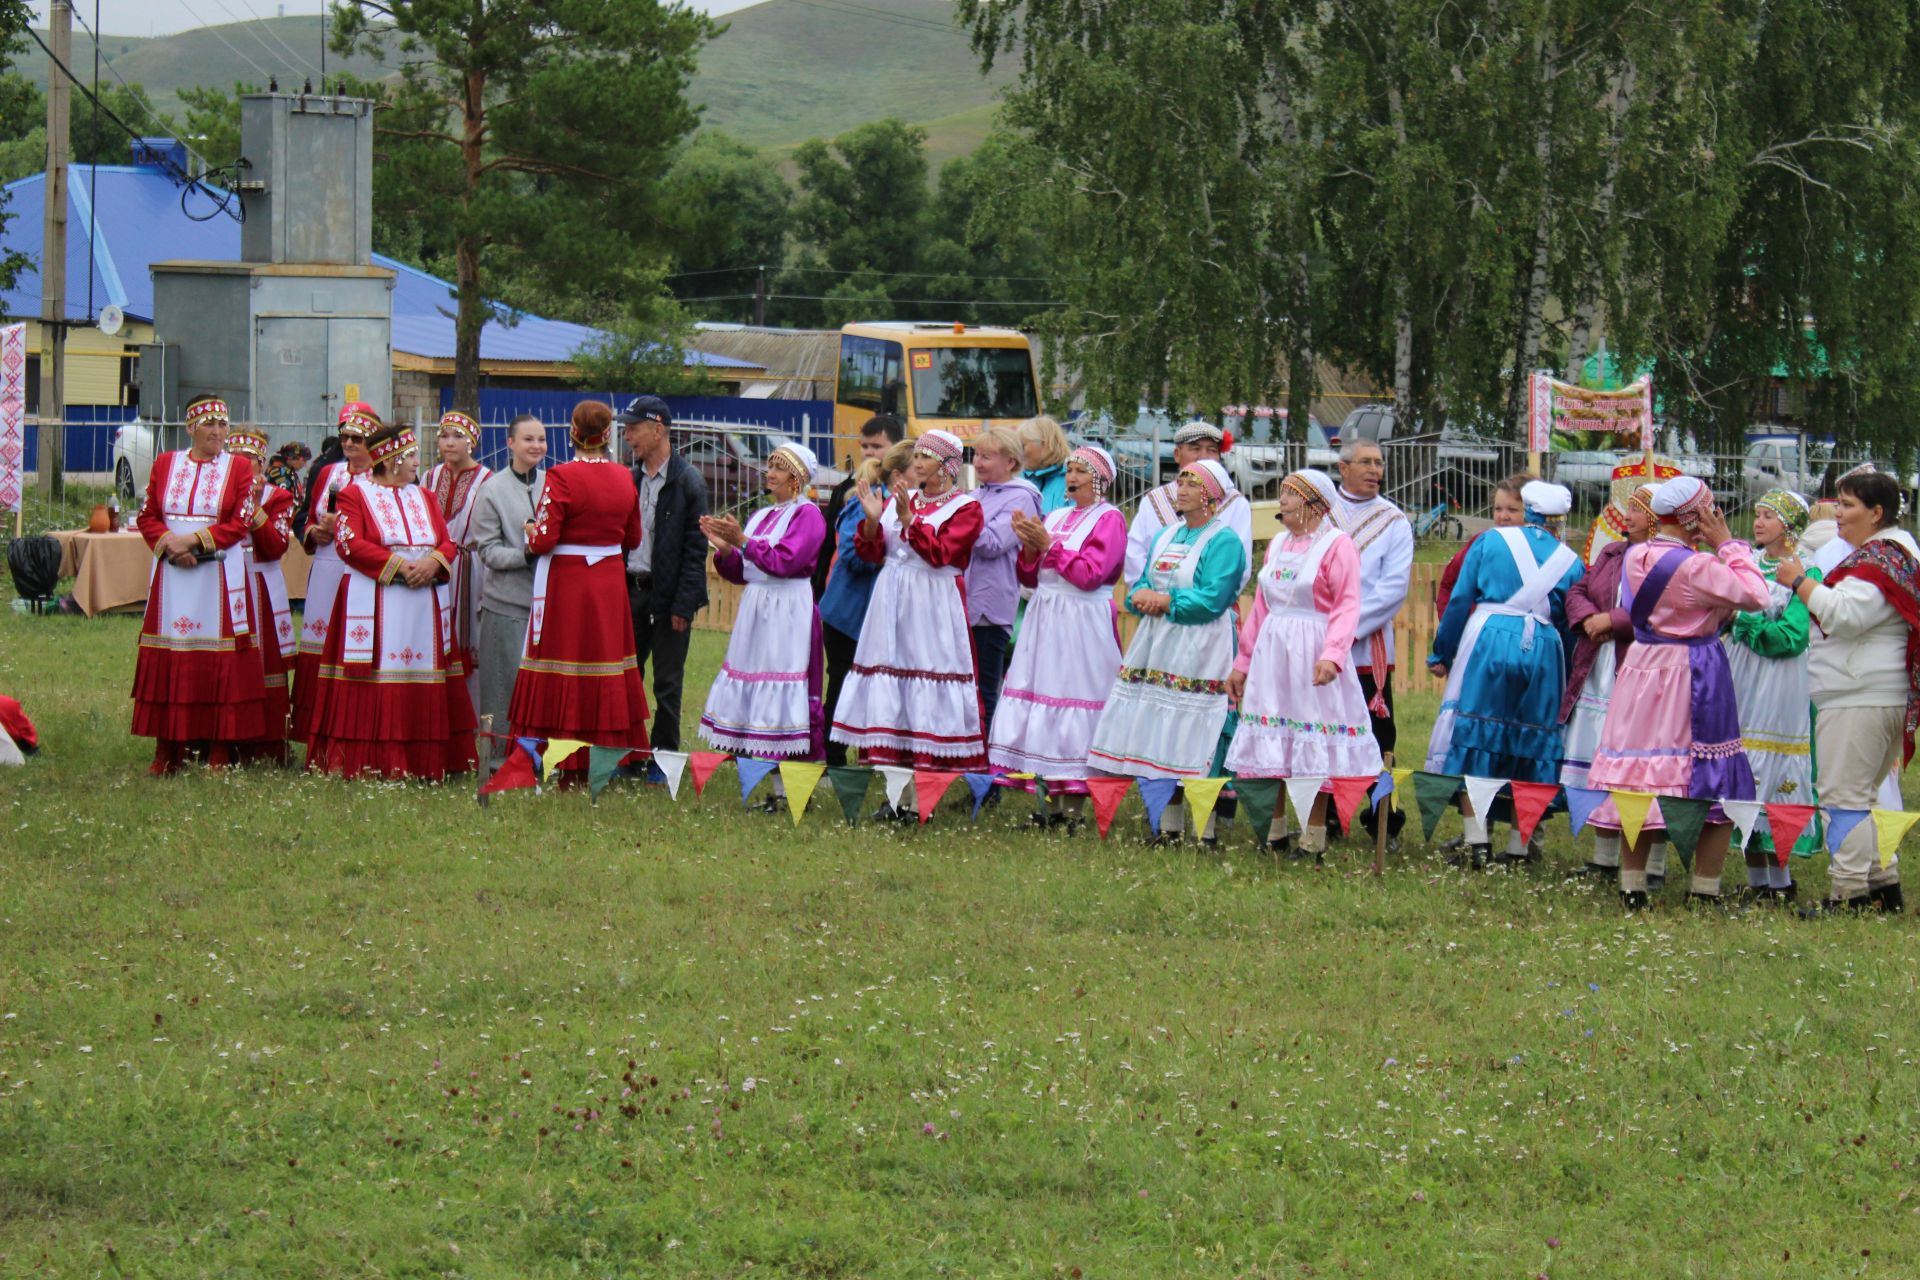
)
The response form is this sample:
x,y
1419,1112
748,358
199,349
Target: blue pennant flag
x,y
751,772
980,784
1581,802
1840,824
1154,793
1381,789
532,746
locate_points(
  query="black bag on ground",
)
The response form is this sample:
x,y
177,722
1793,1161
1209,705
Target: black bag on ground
x,y
35,566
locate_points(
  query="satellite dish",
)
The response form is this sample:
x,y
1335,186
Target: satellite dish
x,y
111,318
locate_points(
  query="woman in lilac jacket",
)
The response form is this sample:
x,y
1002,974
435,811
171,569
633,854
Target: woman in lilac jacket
x,y
993,585
766,699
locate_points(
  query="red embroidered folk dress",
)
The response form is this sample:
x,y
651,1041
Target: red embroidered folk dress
x,y
391,699
324,575
453,491
198,684
579,677
272,534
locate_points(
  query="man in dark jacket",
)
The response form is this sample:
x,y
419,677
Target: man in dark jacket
x,y
667,572
876,433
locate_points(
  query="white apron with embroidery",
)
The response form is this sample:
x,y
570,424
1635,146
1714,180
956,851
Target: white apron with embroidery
x,y
759,702
205,606
913,671
1589,715
273,593
469,577
405,633
1063,668
1774,722
1533,601
325,571
1165,711
1290,727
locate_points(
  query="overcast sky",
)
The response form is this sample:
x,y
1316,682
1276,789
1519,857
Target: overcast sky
x,y
164,17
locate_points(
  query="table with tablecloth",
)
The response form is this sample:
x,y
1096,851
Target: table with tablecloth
x,y
111,571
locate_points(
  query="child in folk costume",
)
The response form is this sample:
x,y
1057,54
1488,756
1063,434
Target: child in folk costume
x,y
1302,713
766,699
1767,654
271,534
1597,619
1063,666
199,688
454,481
1499,648
912,697
1674,727
1167,712
325,572
392,698
579,673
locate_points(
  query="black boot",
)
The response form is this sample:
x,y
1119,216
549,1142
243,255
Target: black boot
x,y
1827,907
1888,898
1282,846
1634,900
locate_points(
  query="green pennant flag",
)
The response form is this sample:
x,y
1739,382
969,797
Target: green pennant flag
x,y
1258,799
1433,792
601,762
850,783
1684,819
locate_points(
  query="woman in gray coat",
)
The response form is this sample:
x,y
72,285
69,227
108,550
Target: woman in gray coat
x,y
501,510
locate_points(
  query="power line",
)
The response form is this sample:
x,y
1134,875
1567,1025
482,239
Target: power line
x,y
215,33
838,271
255,26
881,15
139,98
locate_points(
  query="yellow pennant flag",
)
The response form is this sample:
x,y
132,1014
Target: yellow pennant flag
x,y
1202,795
558,749
1633,806
1890,826
799,778
1400,779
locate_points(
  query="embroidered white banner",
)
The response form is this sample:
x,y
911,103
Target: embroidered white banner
x,y
13,415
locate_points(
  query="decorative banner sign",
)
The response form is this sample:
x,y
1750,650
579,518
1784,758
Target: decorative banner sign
x,y
13,415
1626,414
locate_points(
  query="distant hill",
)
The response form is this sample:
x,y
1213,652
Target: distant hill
x,y
221,56
783,72
789,70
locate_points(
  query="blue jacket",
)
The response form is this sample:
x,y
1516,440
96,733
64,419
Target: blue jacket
x,y
843,605
1052,484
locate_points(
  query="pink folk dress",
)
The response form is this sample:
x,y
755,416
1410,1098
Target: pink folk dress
x,y
1069,650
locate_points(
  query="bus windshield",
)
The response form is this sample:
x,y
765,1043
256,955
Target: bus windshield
x,y
973,382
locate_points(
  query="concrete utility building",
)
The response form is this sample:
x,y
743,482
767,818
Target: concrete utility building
x,y
122,219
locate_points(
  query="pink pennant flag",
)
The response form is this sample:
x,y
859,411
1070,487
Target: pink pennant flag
x,y
1349,794
702,764
928,786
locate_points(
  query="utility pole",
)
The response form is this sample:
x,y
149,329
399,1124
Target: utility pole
x,y
53,256
760,299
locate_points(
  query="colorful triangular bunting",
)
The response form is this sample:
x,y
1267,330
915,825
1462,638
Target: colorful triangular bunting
x,y
515,772
1685,817
928,786
1106,795
673,764
1154,794
1745,815
1349,794
703,764
1259,801
1890,827
799,778
897,780
1840,824
1301,794
601,762
752,771
1632,807
1433,792
1480,794
850,784
1786,822
1531,800
1402,778
981,784
1581,802
1202,794
558,752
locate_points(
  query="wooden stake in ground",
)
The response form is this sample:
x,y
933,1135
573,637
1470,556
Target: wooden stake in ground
x,y
53,258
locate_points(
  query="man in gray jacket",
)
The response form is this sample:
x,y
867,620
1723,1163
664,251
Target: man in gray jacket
x,y
500,512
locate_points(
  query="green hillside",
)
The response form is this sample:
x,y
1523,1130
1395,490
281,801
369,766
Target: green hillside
x,y
789,70
222,56
783,71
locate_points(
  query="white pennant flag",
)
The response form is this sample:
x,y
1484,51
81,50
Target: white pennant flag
x,y
897,780
1480,794
673,764
9,750
1745,815
1301,792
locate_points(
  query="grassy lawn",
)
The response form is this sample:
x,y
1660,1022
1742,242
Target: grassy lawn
x,y
268,1024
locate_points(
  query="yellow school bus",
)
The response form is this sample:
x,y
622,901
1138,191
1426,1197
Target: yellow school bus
x,y
960,378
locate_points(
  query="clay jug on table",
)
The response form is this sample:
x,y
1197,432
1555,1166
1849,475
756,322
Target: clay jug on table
x,y
101,520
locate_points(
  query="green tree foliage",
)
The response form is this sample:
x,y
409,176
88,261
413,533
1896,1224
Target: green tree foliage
x,y
731,210
211,121
1447,194
528,141
18,103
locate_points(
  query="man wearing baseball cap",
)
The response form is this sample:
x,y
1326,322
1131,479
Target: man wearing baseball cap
x,y
667,572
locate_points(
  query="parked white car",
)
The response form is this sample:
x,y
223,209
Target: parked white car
x,y
135,446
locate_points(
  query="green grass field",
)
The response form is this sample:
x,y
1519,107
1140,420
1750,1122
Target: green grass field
x,y
267,1024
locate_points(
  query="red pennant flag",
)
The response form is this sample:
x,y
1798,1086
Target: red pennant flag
x,y
515,772
703,763
1530,801
928,786
1107,793
1788,821
1349,794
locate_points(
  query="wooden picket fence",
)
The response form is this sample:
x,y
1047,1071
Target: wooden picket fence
x,y
1412,630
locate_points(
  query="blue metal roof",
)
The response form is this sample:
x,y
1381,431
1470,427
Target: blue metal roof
x,y
138,219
